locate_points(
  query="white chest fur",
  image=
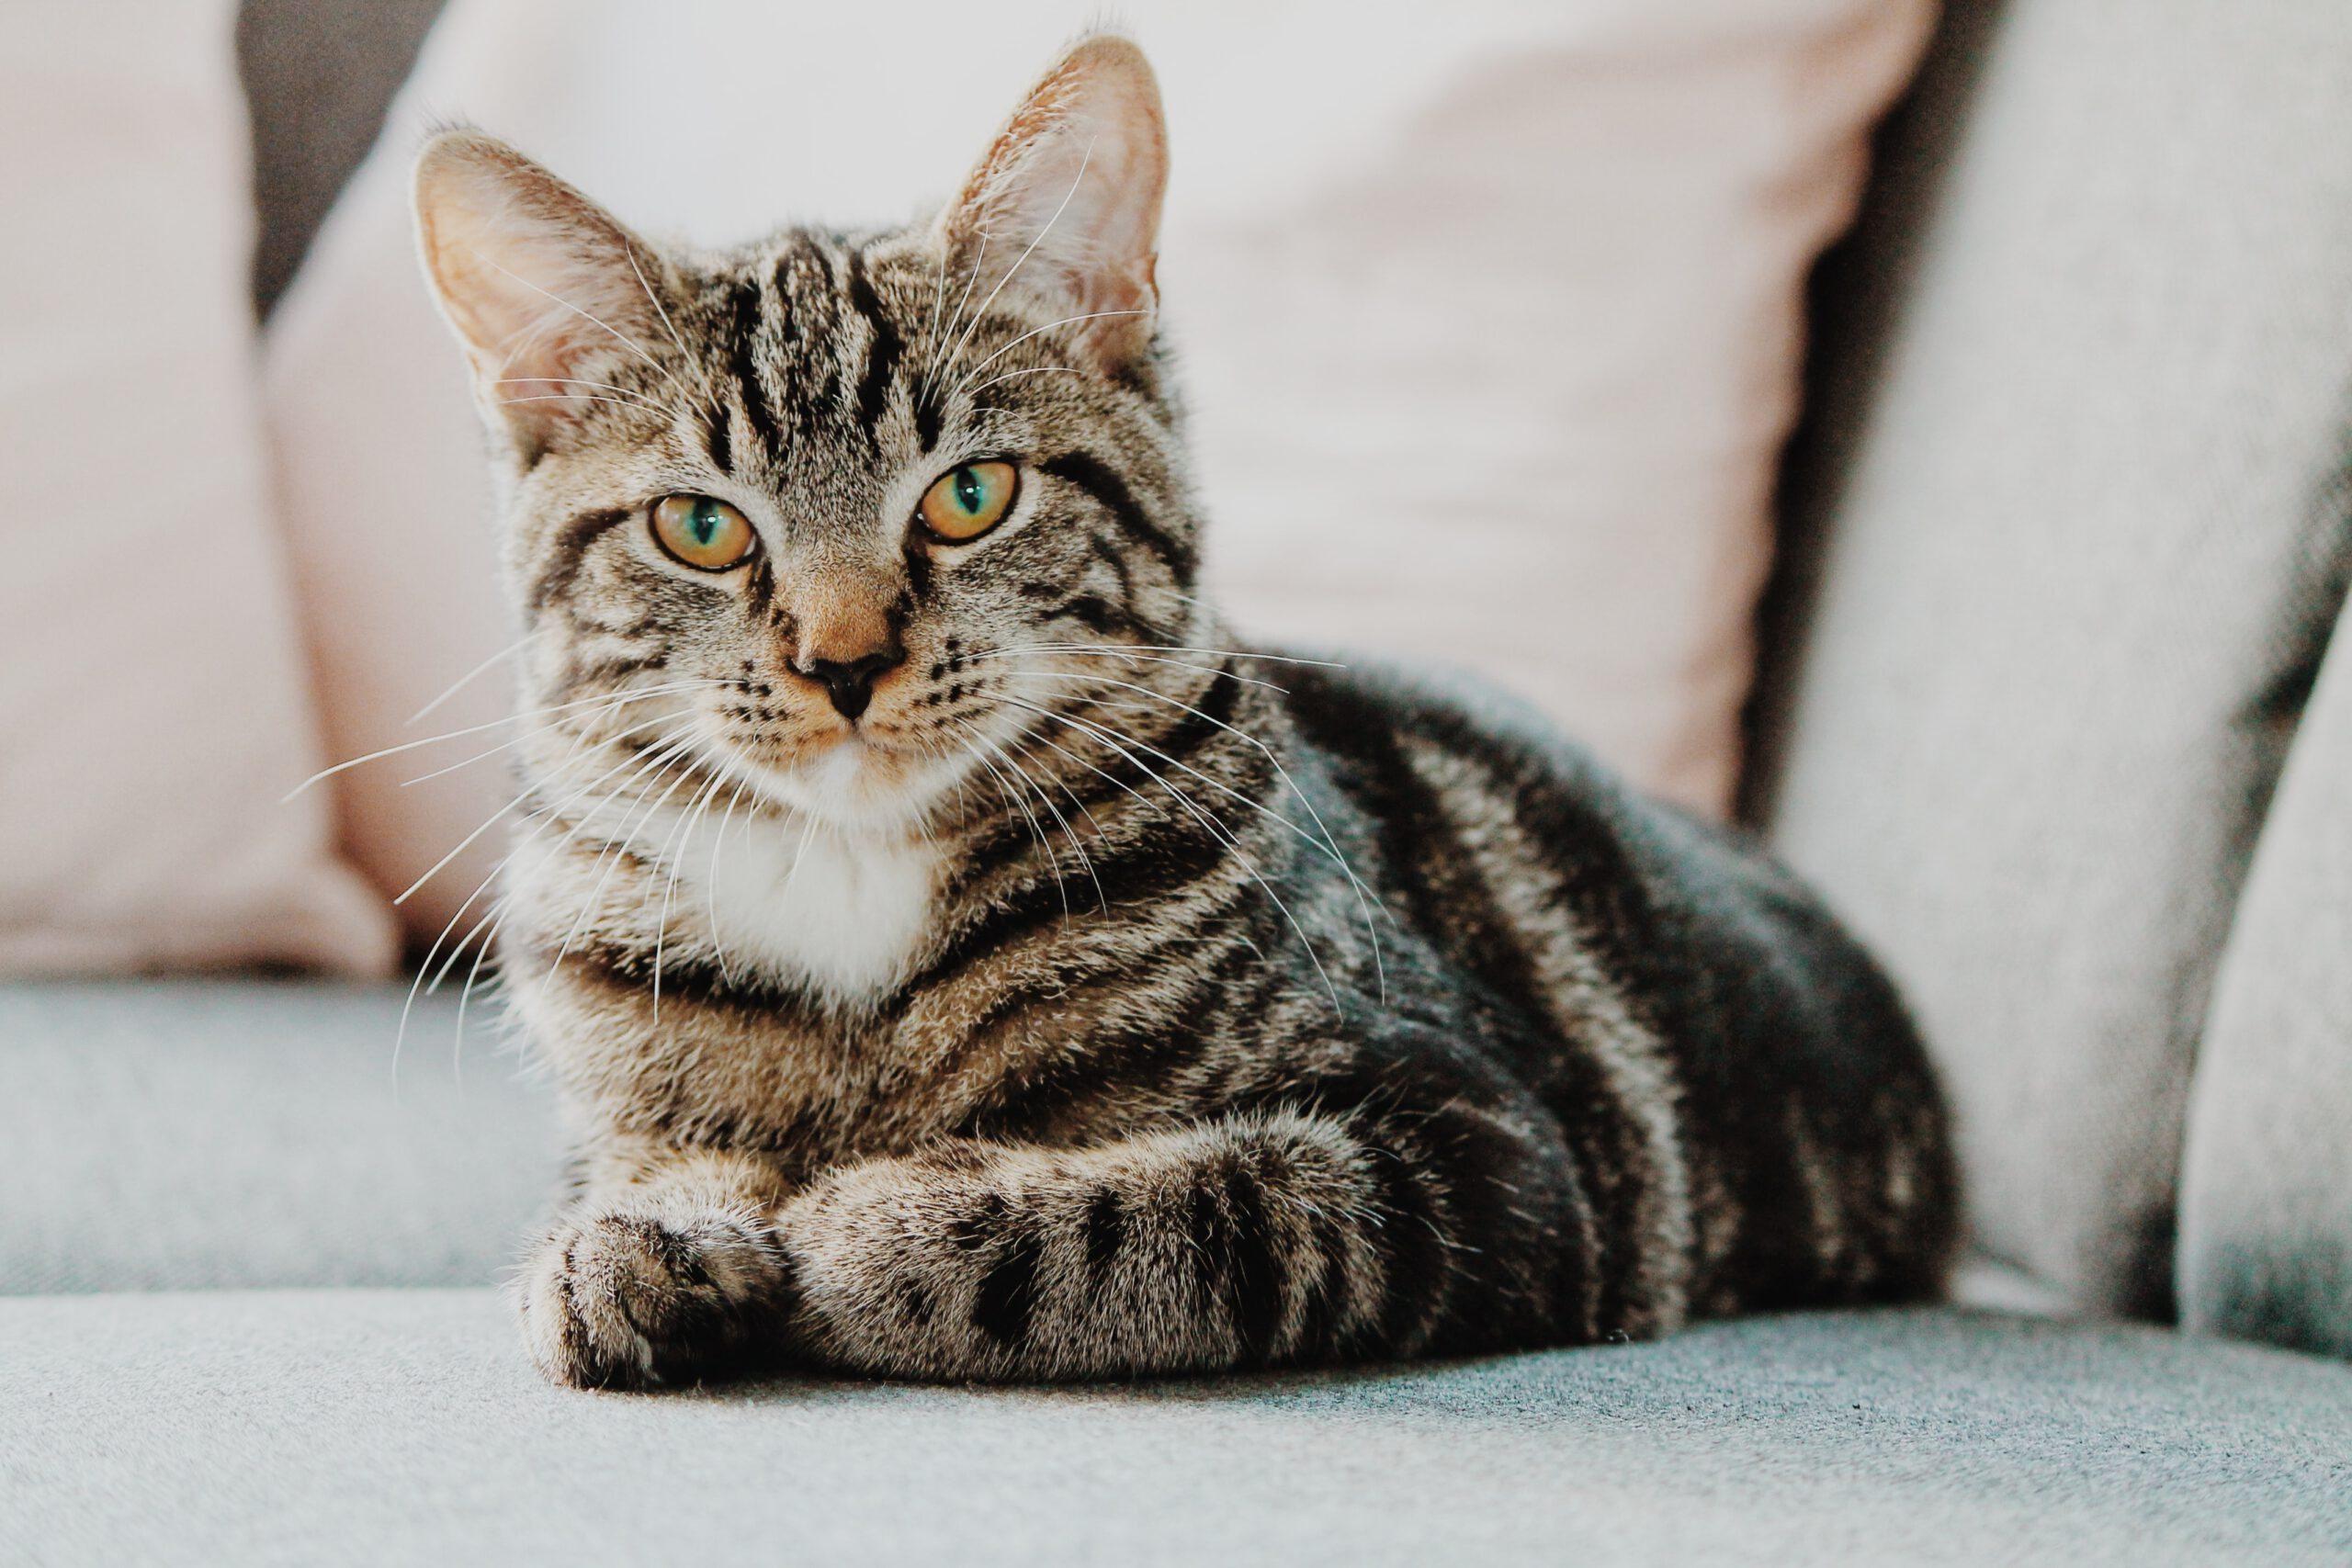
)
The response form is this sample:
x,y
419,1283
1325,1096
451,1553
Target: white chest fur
x,y
833,908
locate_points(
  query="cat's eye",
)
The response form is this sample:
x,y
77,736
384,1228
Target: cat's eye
x,y
966,503
702,532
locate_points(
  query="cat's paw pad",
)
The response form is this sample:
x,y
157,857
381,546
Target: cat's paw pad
x,y
623,1299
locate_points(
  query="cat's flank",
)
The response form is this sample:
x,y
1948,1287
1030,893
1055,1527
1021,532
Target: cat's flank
x,y
961,963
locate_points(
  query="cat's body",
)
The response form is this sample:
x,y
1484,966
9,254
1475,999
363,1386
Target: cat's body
x,y
961,963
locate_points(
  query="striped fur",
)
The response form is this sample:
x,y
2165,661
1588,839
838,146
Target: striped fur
x,y
1101,1001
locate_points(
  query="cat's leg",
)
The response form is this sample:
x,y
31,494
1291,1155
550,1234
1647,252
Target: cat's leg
x,y
1246,1241
665,1267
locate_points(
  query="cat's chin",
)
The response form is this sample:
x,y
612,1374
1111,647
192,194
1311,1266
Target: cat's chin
x,y
855,784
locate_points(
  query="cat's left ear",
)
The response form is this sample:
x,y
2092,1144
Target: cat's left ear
x,y
542,286
1066,202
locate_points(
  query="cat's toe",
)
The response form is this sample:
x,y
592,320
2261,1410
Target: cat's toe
x,y
623,1300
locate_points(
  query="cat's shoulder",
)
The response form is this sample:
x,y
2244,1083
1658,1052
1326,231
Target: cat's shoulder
x,y
1372,720
1351,703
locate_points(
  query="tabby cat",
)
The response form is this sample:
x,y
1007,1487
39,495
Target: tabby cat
x,y
961,963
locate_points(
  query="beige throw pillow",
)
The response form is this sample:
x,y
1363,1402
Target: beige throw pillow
x,y
154,695
1490,317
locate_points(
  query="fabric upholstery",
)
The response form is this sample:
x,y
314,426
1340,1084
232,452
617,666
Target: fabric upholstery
x,y
155,702
2265,1234
2085,540
317,76
405,1428
166,1135
1489,313
287,1134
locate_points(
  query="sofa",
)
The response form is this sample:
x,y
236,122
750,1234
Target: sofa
x,y
2049,708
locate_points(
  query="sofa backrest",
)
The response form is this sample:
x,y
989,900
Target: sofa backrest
x,y
2066,534
2067,539
319,79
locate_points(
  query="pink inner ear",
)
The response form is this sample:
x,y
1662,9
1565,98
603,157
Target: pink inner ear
x,y
539,283
1074,183
545,338
523,301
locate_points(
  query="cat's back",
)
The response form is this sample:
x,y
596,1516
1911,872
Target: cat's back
x,y
1545,880
1435,752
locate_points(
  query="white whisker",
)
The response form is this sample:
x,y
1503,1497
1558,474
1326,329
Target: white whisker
x,y
1084,159
1085,861
655,300
710,881
1033,331
684,830
399,1033
628,342
474,675
586,398
1035,370
1123,650
672,410
424,969
478,728
1142,659
808,836
609,858
1020,803
468,839
484,930
939,349
1208,819
1363,903
938,299
457,1044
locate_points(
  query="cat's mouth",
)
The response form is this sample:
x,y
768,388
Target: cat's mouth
x,y
850,776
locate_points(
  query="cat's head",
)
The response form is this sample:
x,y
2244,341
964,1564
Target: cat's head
x,y
833,514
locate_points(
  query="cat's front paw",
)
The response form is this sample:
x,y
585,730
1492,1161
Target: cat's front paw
x,y
621,1299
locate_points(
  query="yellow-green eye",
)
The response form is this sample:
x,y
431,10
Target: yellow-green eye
x,y
966,503
702,532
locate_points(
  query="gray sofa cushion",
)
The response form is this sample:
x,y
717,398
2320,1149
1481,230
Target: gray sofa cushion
x,y
263,1136
168,1134
404,1427
2265,1202
2085,542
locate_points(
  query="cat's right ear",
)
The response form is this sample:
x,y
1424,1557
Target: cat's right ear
x,y
1065,201
543,287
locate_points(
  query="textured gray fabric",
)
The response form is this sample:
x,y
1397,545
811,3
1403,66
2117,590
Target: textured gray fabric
x,y
2266,1234
2089,543
318,75
167,1135
400,1428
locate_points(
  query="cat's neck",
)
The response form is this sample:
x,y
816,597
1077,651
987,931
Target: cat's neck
x,y
799,903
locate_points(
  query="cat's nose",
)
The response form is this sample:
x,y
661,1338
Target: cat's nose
x,y
850,682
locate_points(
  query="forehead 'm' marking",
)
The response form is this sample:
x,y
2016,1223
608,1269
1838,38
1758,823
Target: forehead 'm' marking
x,y
804,274
884,347
719,437
742,335
809,300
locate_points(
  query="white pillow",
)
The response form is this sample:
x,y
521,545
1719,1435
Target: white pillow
x,y
154,695
1490,321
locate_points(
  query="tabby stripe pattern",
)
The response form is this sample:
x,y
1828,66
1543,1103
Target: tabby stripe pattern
x,y
966,958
